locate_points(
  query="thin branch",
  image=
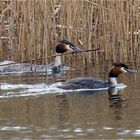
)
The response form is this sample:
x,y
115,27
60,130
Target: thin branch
x,y
24,61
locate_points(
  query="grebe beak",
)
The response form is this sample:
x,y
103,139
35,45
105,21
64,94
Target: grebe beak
x,y
131,71
126,70
74,48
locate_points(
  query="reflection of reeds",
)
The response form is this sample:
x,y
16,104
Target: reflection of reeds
x,y
30,29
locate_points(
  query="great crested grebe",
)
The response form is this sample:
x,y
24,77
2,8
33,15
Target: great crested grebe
x,y
94,83
55,67
62,47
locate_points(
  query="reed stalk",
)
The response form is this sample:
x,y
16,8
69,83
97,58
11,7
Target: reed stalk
x,y
30,29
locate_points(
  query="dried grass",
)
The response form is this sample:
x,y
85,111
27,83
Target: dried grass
x,y
30,29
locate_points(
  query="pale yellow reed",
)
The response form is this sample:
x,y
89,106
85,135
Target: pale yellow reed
x,y
29,29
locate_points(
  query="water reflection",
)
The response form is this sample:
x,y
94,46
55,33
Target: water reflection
x,y
50,114
63,107
57,77
116,102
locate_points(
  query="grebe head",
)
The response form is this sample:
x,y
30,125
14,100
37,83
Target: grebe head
x,y
117,69
62,47
65,46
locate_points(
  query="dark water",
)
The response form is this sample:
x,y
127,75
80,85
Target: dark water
x,y
28,110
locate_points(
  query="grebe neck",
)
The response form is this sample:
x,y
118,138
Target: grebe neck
x,y
112,78
57,61
112,81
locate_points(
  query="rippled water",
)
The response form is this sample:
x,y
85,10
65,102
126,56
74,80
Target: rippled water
x,y
31,109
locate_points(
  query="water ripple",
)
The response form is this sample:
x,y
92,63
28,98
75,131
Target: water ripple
x,y
13,128
107,128
24,90
78,130
136,132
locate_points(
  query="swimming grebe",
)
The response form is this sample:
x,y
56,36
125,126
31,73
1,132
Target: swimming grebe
x,y
55,67
62,47
94,83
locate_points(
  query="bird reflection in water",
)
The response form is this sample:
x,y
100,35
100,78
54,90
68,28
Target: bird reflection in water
x,y
57,77
116,103
115,98
63,107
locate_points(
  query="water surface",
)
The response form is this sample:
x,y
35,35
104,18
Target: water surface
x,y
30,109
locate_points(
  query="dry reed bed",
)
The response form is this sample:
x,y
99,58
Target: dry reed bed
x,y
30,29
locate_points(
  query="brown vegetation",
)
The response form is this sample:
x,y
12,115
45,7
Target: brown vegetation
x,y
30,28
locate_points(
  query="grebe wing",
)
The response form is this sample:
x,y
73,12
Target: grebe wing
x,y
84,83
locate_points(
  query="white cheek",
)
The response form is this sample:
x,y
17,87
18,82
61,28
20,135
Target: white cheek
x,y
68,48
123,70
